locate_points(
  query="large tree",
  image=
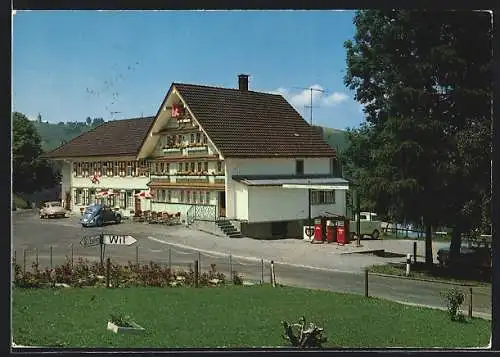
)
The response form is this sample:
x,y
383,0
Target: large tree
x,y
30,173
424,79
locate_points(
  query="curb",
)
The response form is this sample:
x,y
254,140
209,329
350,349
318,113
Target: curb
x,y
426,280
475,314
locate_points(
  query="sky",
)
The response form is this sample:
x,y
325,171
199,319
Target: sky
x,y
70,65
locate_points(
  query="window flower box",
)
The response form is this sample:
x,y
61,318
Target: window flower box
x,y
197,148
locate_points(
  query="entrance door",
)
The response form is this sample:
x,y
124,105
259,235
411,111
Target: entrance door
x,y
222,204
137,204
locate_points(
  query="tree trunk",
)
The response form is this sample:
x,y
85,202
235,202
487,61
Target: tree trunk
x,y
428,246
456,242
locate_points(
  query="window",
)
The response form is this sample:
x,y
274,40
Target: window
x,y
122,200
91,168
160,196
205,166
198,137
85,196
205,140
98,168
181,196
219,166
116,169
162,168
192,167
122,170
79,169
195,196
167,168
179,167
207,197
130,199
199,167
105,169
186,166
78,197
192,139
322,197
169,196
188,198
110,169
202,197
75,170
129,168
299,167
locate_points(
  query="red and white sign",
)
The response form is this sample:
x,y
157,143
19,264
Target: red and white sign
x,y
95,179
145,194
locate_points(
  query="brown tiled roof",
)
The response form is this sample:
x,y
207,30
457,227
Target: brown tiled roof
x,y
252,124
117,137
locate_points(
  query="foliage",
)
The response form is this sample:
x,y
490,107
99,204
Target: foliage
x,y
302,337
30,173
82,273
454,300
237,279
232,316
424,78
54,135
19,202
121,320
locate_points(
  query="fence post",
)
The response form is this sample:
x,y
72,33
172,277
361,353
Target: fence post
x,y
366,282
170,258
108,268
196,273
24,260
230,267
137,255
36,257
51,258
72,255
15,257
199,261
262,271
273,277
415,252
470,302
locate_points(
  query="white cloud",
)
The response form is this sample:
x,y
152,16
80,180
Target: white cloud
x,y
334,98
303,98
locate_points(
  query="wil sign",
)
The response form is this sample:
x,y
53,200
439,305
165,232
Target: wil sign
x,y
116,239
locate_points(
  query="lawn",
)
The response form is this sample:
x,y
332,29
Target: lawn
x,y
231,316
420,271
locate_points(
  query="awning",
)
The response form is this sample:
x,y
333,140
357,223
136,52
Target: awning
x,y
319,187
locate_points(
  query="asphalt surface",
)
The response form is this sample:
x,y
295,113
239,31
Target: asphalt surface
x,y
34,239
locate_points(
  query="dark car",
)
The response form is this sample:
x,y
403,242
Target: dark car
x,y
97,215
472,257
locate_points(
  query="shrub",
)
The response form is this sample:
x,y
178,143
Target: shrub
x,y
454,300
237,279
302,337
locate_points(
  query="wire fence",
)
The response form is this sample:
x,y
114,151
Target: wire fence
x,y
253,271
258,271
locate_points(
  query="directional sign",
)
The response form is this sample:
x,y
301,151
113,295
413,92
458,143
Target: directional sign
x,y
117,239
90,241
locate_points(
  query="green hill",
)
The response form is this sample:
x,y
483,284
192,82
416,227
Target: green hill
x,y
336,138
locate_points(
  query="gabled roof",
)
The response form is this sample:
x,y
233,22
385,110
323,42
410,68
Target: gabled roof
x,y
112,138
252,124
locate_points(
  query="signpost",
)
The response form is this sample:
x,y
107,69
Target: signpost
x,y
106,239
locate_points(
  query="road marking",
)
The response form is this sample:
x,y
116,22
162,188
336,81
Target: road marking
x,y
254,259
155,250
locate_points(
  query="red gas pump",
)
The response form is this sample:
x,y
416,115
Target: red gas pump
x,y
341,236
330,232
318,231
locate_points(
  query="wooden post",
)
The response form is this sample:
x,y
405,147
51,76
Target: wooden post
x,y
24,260
51,258
108,271
470,302
415,252
72,255
196,273
262,271
36,257
137,255
366,282
170,258
199,261
273,278
230,267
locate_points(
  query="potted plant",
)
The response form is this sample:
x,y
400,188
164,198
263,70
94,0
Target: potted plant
x,y
119,323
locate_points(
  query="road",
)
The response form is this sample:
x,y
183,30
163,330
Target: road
x,y
34,239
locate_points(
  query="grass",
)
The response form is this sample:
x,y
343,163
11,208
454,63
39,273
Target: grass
x,y
229,316
419,270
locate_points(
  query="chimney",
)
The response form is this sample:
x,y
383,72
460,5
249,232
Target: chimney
x,y
243,82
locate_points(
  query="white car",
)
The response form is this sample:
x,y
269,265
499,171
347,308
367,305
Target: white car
x,y
52,209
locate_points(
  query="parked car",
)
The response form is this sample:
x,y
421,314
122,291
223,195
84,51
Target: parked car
x,y
369,225
53,209
98,214
472,257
